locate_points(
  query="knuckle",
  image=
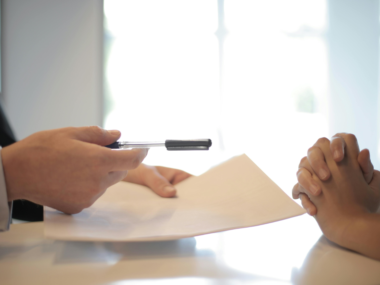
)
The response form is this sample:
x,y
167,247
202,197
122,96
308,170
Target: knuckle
x,y
63,132
339,135
323,140
303,161
97,130
312,149
302,176
350,138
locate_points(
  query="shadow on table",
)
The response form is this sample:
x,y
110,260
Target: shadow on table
x,y
328,263
78,252
166,259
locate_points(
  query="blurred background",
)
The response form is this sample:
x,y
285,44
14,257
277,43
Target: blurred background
x,y
265,78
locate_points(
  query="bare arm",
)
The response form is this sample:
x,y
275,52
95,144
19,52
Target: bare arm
x,y
363,235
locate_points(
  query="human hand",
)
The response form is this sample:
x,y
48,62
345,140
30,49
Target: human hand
x,y
158,178
317,163
346,196
67,169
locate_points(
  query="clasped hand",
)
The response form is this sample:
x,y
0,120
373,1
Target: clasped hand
x,y
338,185
342,150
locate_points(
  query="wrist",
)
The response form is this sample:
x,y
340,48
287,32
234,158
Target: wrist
x,y
356,232
9,174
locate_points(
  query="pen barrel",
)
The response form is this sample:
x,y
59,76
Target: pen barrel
x,y
201,144
140,144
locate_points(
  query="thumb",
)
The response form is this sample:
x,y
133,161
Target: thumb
x,y
366,165
96,135
160,185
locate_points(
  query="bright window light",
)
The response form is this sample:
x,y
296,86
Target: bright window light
x,y
250,75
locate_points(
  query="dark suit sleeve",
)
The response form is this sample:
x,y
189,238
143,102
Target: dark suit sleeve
x,y
22,209
6,135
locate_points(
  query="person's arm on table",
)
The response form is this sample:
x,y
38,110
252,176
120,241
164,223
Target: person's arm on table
x,y
67,169
347,203
5,206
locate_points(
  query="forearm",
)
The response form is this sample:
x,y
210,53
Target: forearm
x,y
5,206
363,236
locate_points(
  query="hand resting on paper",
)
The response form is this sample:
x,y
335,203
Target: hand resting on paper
x,y
67,169
316,159
347,204
159,179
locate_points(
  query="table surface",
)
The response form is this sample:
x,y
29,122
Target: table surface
x,y
292,251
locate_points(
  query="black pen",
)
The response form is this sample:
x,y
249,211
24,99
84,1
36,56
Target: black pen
x,y
201,144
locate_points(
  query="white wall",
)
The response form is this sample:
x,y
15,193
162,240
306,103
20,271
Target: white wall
x,y
353,39
52,63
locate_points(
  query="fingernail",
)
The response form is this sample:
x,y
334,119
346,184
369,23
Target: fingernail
x,y
323,174
308,211
114,132
314,189
336,154
169,189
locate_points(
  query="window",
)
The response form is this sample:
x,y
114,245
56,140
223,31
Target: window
x,y
247,74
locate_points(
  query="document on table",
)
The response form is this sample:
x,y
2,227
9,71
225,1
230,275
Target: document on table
x,y
234,194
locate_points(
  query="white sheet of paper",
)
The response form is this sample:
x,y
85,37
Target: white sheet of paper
x,y
235,194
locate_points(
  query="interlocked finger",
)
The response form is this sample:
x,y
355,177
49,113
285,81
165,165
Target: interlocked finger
x,y
305,179
317,161
308,205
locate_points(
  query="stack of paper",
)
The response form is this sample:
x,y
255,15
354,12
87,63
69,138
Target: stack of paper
x,y
235,194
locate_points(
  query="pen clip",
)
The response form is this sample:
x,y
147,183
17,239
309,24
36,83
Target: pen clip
x,y
202,144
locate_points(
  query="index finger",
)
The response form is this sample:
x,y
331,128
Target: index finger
x,y
125,159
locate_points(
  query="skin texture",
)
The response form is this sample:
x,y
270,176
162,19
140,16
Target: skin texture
x,y
159,179
347,202
67,169
316,159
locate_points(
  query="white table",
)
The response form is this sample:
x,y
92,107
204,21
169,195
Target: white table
x,y
287,252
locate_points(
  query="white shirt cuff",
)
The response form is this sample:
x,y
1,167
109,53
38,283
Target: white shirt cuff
x,y
5,206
